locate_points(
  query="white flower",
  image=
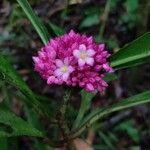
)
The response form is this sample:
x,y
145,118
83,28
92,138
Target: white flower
x,y
63,71
84,55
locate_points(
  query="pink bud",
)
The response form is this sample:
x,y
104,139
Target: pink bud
x,y
101,47
90,87
50,79
98,67
36,59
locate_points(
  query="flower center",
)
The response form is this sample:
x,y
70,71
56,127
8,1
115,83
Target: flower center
x,y
64,69
83,55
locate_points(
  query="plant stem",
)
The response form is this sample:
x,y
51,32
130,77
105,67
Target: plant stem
x,y
61,117
65,101
62,124
104,17
86,99
79,116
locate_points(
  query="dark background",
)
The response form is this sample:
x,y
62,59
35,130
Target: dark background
x,y
116,24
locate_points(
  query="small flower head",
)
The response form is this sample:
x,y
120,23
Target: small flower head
x,y
63,69
74,60
84,55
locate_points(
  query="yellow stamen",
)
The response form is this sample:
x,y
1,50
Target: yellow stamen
x,y
83,55
64,69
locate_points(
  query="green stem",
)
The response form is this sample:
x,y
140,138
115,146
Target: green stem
x,y
85,105
61,123
65,101
80,115
104,17
61,116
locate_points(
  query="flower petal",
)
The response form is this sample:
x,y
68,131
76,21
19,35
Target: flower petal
x,y
82,47
81,62
76,53
59,63
50,79
41,54
90,87
36,59
90,61
90,52
71,69
107,68
101,47
65,76
66,61
58,72
51,53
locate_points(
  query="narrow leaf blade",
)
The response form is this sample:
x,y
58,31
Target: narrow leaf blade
x,y
36,22
9,74
101,113
135,53
12,125
126,103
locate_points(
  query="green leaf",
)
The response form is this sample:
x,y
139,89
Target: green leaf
x,y
12,125
56,29
90,20
36,22
9,74
4,143
34,121
110,77
129,127
107,140
135,53
131,6
101,113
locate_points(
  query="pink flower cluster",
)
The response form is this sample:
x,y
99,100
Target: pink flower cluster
x,y
75,60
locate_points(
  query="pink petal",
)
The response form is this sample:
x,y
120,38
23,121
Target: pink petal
x,y
111,70
71,69
60,82
74,45
65,76
90,87
82,47
81,62
41,66
103,83
101,47
90,52
66,61
53,43
76,53
56,81
107,67
51,53
36,59
81,84
59,63
41,54
58,73
50,79
71,33
90,61
98,67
